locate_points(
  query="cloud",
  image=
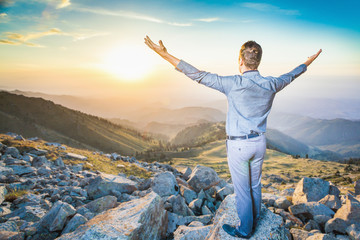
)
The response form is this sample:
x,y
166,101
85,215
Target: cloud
x,y
6,3
18,39
63,4
131,15
264,7
214,19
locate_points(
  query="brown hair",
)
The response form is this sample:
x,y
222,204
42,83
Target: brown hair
x,y
251,53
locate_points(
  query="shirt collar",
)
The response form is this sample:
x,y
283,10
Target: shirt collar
x,y
250,72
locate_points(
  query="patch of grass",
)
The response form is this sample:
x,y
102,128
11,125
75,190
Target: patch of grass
x,y
14,194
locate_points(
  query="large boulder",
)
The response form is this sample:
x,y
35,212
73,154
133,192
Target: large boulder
x,y
143,218
310,190
191,233
350,211
203,178
165,184
106,183
101,204
56,218
311,209
269,223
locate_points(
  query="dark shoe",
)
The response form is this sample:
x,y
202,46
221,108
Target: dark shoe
x,y
234,232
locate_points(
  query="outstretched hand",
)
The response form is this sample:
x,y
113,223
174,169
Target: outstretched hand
x,y
159,49
312,58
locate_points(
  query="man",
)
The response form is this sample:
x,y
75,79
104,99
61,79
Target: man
x,y
250,97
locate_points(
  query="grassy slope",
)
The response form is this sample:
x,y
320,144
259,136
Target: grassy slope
x,y
38,117
214,155
96,161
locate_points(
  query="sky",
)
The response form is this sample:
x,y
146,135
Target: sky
x,y
96,48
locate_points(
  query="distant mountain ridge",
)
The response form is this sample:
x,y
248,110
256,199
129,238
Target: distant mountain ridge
x,y
52,122
208,132
338,135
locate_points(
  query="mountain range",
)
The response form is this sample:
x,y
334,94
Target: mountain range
x,y
38,117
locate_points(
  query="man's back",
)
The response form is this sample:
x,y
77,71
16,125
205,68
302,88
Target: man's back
x,y
250,95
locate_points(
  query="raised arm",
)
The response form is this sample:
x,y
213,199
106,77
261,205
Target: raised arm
x,y
285,79
212,80
161,50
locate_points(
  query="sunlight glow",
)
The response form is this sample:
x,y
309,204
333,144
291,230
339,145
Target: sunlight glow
x,y
128,63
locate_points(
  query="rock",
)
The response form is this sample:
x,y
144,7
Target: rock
x,y
336,225
12,235
191,233
165,184
299,234
3,192
179,206
287,192
203,178
106,183
175,220
12,151
289,217
55,144
186,173
40,161
196,224
10,226
350,211
310,189
76,156
322,219
311,225
21,170
188,194
44,170
38,152
269,199
333,190
27,213
321,236
59,162
74,223
269,224
311,209
55,219
6,171
195,205
143,218
101,204
357,187
331,201
282,203
205,210
354,231
227,190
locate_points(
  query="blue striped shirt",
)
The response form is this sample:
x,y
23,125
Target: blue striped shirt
x,y
250,95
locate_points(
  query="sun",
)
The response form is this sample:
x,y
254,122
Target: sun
x,y
128,62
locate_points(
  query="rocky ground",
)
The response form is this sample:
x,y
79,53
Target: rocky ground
x,y
45,198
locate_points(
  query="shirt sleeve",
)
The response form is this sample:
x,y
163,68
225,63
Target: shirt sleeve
x,y
220,83
285,79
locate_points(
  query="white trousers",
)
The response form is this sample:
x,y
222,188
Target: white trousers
x,y
245,159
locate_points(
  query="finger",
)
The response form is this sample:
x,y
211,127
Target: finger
x,y
161,44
